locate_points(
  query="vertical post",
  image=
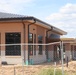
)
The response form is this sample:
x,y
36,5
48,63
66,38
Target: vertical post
x,y
67,61
14,70
55,68
46,45
73,51
24,38
61,47
2,70
23,68
22,59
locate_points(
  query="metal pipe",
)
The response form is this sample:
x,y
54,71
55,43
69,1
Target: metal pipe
x,y
28,35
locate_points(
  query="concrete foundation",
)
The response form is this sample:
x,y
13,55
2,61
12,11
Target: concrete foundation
x,y
68,54
38,58
50,55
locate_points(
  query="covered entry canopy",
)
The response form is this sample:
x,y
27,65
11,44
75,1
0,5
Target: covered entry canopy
x,y
65,40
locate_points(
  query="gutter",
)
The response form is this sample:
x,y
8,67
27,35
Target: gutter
x,y
28,37
61,32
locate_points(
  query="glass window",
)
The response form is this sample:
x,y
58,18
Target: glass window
x,y
34,45
63,48
40,46
40,49
31,49
13,38
39,39
30,38
30,46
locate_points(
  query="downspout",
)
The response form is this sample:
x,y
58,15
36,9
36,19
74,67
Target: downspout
x,y
46,42
28,36
24,38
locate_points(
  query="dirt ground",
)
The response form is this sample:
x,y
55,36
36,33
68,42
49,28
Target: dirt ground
x,y
35,69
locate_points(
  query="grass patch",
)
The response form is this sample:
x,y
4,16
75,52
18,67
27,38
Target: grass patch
x,y
51,72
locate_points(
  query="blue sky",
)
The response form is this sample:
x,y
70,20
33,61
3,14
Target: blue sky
x,y
60,13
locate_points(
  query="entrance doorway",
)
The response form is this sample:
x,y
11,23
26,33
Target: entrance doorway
x,y
57,53
74,52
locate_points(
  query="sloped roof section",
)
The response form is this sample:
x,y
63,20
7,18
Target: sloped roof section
x,y
9,16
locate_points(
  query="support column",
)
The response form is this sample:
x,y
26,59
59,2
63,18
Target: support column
x,y
3,47
26,46
61,47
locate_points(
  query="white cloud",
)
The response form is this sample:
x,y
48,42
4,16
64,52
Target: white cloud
x,y
15,1
68,8
65,19
14,6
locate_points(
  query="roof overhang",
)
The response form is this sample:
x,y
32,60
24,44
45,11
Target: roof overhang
x,y
65,40
30,19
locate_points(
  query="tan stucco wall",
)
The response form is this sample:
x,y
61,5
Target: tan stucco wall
x,y
38,30
9,27
18,27
67,46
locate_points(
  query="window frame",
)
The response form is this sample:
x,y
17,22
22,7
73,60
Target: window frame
x,y
14,48
40,47
32,38
34,45
30,47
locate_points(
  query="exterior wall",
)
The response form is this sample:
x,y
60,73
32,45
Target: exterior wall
x,y
51,52
74,52
68,54
74,55
9,27
35,29
67,46
12,59
38,58
68,51
50,55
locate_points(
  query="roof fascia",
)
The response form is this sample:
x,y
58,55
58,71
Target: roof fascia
x,y
59,31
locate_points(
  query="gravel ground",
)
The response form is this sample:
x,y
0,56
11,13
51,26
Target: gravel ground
x,y
35,69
